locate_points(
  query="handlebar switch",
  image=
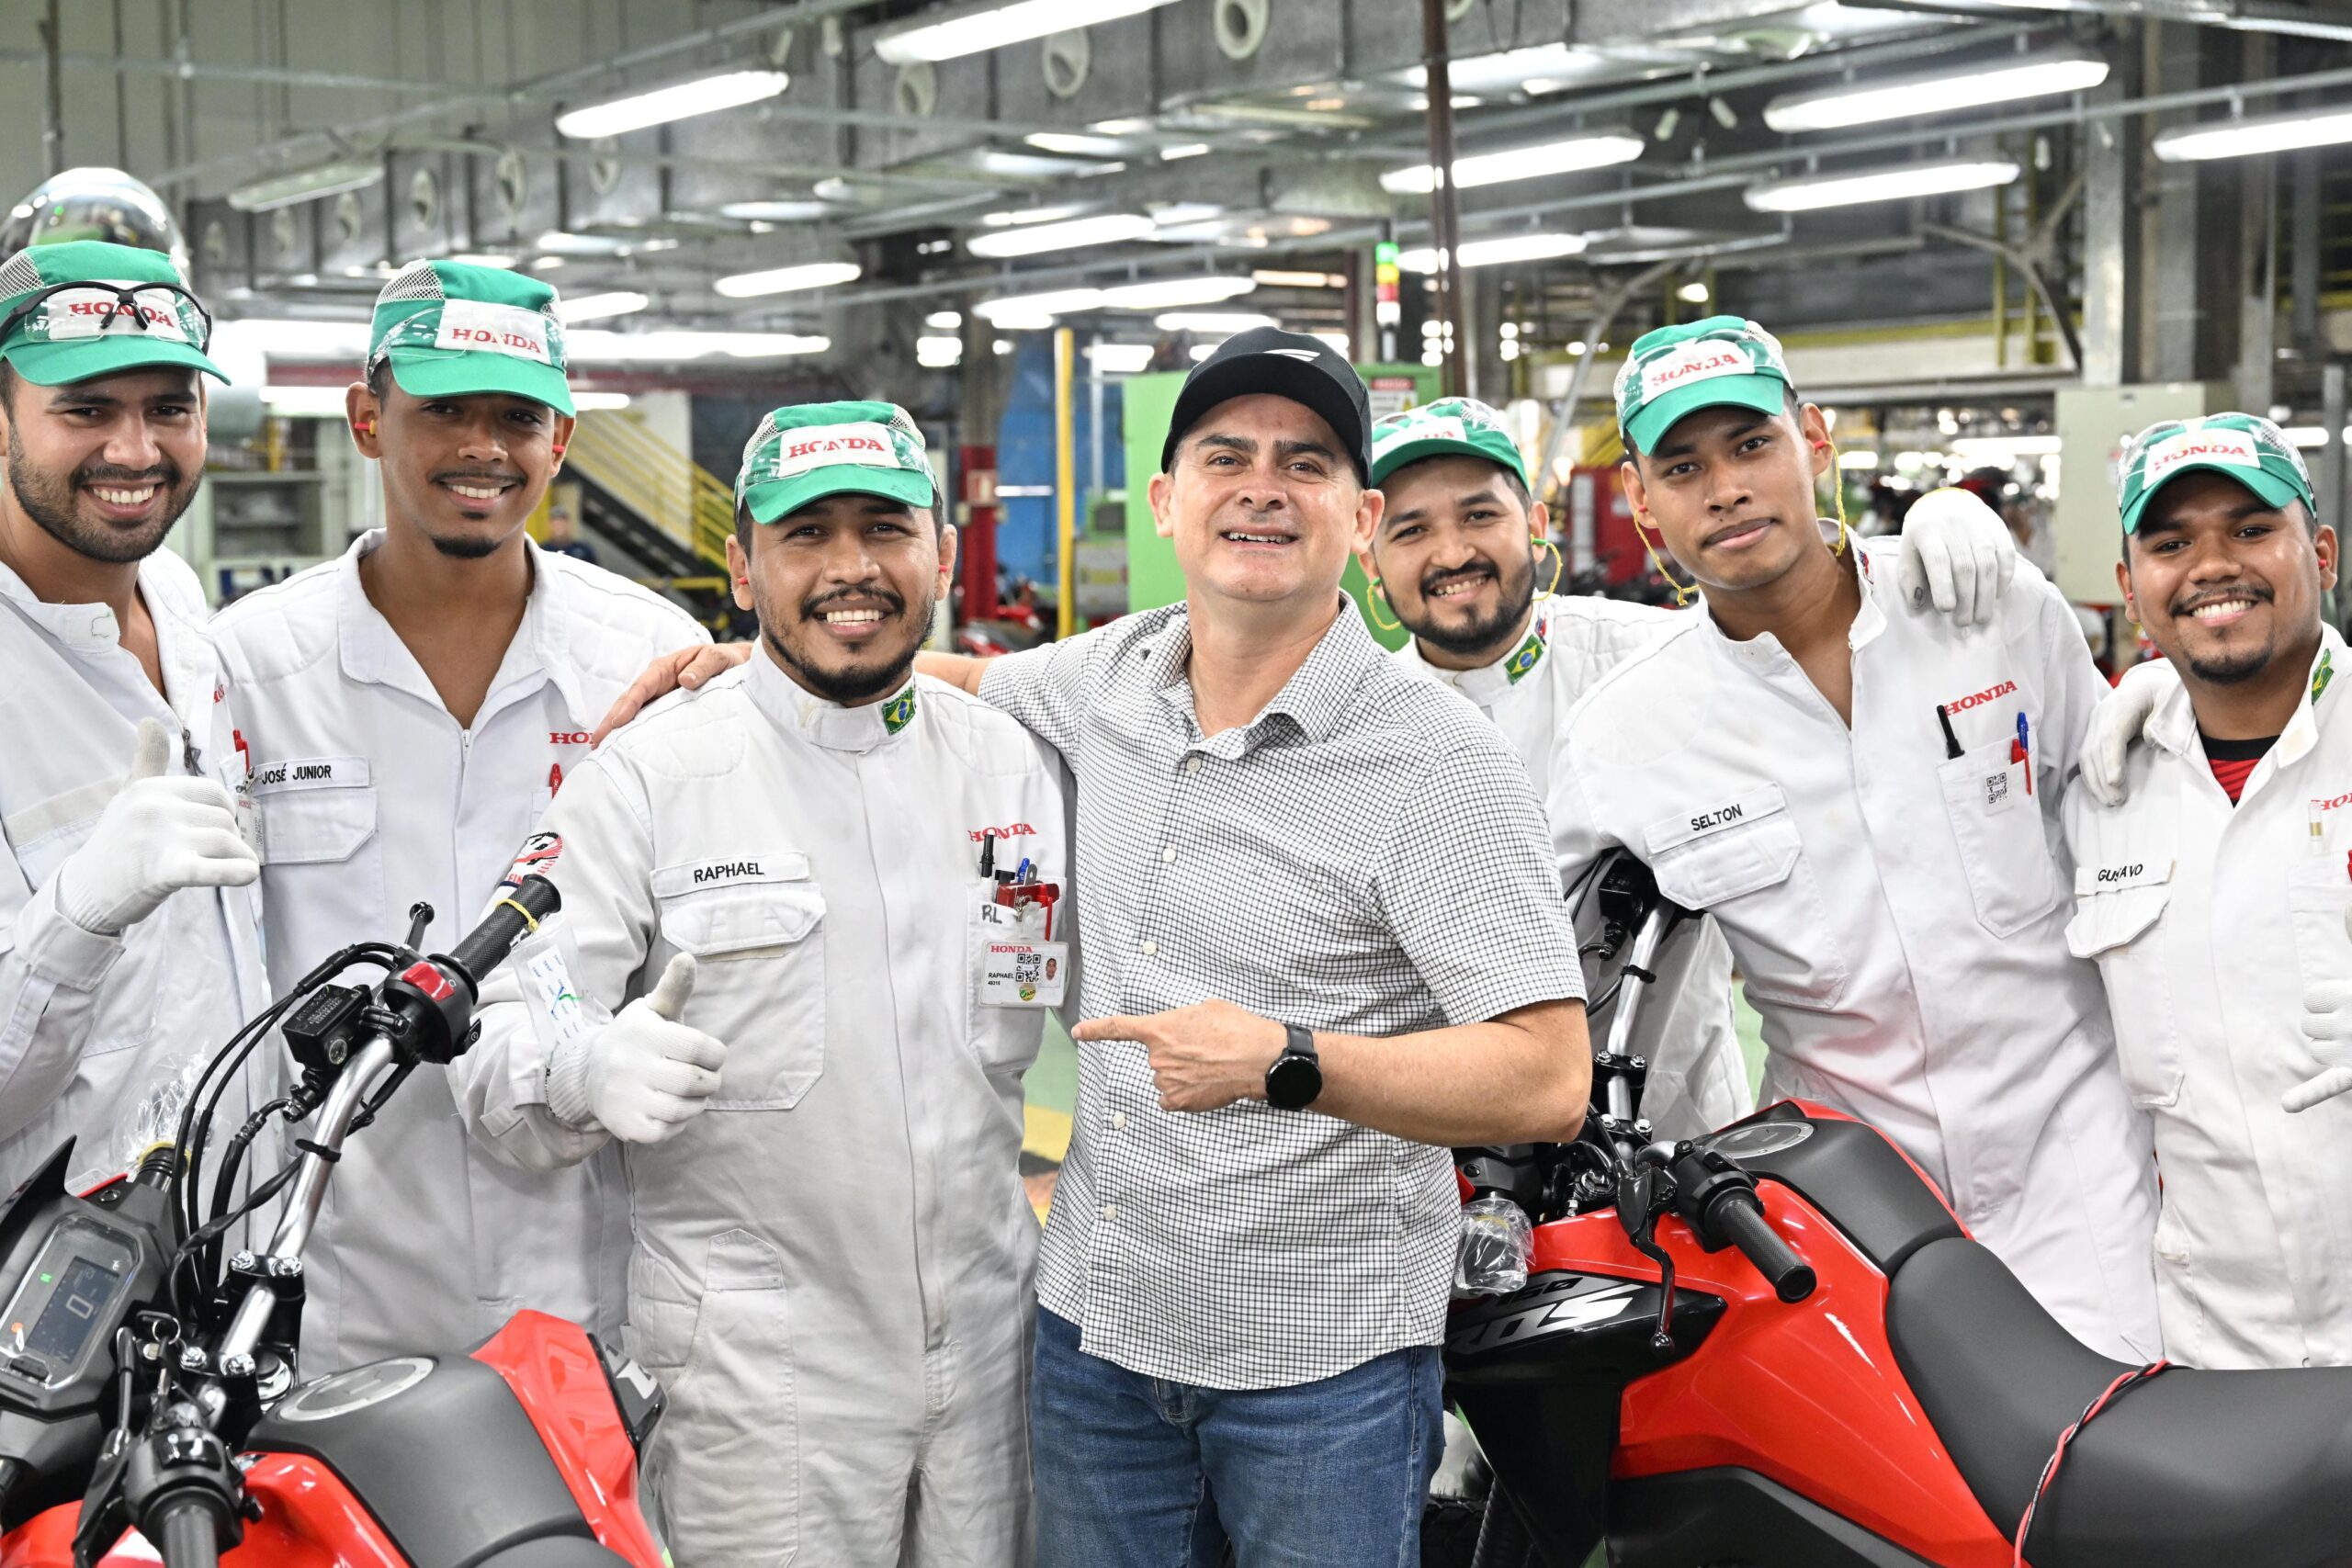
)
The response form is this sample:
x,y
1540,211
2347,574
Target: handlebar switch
x,y
319,1032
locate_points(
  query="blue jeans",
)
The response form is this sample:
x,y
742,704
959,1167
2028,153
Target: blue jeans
x,y
1140,1472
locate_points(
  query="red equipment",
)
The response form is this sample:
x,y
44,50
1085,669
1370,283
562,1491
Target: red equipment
x,y
1776,1347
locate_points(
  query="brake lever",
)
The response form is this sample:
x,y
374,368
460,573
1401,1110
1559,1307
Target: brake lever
x,y
1643,1194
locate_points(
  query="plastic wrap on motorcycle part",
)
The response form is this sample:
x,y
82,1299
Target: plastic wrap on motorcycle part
x,y
1849,1171
1736,1515
438,1449
1541,1376
156,1117
1497,1238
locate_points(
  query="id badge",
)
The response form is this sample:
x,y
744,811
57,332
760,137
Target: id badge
x,y
1019,968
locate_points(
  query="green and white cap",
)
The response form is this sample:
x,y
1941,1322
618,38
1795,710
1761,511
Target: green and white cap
x,y
131,311
1448,427
809,451
2248,449
1679,370
452,329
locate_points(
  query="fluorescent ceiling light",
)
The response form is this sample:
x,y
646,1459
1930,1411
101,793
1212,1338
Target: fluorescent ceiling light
x,y
774,211
2309,435
564,243
680,100
672,344
546,264
1171,293
2241,137
485,258
1120,358
1080,146
288,339
1020,216
1202,351
1854,457
939,353
304,402
1183,150
951,32
1339,341
1171,213
1982,446
597,307
1107,229
1940,177
788,280
1943,91
1211,323
1017,312
1595,150
1278,280
1509,248
269,194
600,400
945,320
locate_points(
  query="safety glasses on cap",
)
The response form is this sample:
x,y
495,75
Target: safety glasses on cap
x,y
163,310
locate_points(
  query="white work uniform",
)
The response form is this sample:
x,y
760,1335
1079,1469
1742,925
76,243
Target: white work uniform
x,y
90,1025
2208,922
1698,1079
371,797
833,1261
1900,918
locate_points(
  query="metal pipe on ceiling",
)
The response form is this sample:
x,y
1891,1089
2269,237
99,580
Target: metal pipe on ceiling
x,y
1445,201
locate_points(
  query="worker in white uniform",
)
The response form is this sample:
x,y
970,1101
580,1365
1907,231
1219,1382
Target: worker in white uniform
x,y
840,895
2214,893
1866,797
412,707
130,929
1456,557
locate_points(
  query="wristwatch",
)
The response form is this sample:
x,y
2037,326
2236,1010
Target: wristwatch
x,y
1297,1077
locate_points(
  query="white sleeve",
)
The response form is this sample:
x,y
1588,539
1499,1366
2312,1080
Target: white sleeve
x,y
540,1012
50,973
1578,842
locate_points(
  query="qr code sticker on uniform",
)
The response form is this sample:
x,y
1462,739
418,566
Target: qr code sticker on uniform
x,y
1997,788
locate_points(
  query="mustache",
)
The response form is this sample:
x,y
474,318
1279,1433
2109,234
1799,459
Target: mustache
x,y
881,593
477,476
2191,603
167,474
1435,579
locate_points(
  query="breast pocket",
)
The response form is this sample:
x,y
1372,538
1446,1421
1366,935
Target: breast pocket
x,y
1745,863
2319,898
2003,850
2117,929
323,866
760,985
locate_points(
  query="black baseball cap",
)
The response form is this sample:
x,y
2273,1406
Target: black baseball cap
x,y
1305,370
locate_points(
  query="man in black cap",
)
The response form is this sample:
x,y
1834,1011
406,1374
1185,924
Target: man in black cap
x,y
1320,941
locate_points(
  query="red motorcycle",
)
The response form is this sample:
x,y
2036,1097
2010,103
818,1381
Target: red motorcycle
x,y
147,1405
1776,1347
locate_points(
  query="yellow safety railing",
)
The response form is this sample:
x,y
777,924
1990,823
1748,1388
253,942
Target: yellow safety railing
x,y
662,484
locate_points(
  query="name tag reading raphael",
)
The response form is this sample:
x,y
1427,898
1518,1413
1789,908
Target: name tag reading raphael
x,y
1019,968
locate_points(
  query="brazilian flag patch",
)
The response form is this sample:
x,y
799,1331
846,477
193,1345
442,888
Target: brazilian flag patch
x,y
1529,654
899,711
2325,673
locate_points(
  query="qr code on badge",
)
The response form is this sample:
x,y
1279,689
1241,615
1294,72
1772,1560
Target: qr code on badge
x,y
1028,967
1997,788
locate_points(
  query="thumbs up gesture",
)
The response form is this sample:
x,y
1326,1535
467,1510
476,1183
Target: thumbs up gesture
x,y
161,833
649,1075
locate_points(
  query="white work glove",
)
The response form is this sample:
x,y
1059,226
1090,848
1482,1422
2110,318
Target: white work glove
x,y
2118,721
1957,553
158,835
2327,1029
647,1074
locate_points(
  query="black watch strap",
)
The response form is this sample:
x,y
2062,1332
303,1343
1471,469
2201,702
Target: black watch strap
x,y
1300,1041
1296,1078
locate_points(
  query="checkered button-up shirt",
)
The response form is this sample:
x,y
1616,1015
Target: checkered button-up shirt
x,y
1366,856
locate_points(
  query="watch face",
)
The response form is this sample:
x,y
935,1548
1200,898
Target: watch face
x,y
1293,1082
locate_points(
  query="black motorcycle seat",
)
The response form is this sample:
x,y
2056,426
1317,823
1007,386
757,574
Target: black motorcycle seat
x,y
2190,1470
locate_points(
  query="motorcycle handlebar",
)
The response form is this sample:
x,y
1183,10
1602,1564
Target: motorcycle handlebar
x,y
533,899
185,1534
1740,1216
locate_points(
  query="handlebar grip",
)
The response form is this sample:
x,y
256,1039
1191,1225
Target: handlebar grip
x,y
530,899
1741,1216
186,1533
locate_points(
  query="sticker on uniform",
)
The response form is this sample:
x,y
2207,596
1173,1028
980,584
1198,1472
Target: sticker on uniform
x,y
2226,446
2114,876
1997,792
552,991
1701,361
310,773
537,858
72,313
1024,974
1529,654
479,326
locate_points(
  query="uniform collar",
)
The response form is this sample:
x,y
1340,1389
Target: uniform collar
x,y
2174,724
540,649
79,626
1489,682
1313,699
183,649
801,712
1765,649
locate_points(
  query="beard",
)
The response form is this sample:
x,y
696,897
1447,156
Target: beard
x,y
50,501
1515,591
876,673
467,547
